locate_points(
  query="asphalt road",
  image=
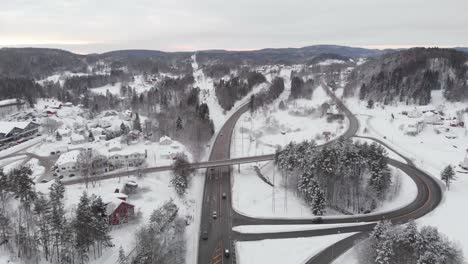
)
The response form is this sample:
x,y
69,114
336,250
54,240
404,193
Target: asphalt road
x,y
217,182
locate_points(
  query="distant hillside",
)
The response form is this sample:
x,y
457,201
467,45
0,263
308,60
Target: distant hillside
x,y
410,75
37,63
283,55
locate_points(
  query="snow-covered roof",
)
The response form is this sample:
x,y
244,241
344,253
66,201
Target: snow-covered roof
x,y
76,137
9,101
63,131
115,146
113,200
164,138
6,127
68,157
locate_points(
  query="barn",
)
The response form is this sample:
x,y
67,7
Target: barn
x,y
118,209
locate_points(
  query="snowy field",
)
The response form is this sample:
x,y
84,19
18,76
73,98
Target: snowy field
x,y
279,251
253,197
431,152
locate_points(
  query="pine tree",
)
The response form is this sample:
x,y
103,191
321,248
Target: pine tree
x,y
100,226
56,219
179,123
58,137
123,129
122,257
383,243
448,175
82,226
318,205
137,123
41,211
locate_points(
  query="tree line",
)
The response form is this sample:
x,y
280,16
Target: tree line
x,y
39,229
234,89
348,176
267,95
389,244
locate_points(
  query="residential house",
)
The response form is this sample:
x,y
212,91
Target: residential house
x,y
11,131
415,113
67,163
76,139
118,210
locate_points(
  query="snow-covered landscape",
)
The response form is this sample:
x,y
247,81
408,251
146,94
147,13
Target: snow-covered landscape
x,y
181,133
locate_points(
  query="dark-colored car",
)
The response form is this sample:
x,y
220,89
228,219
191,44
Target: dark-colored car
x,y
204,235
317,220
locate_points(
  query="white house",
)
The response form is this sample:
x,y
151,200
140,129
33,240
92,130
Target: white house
x,y
464,163
414,128
432,119
76,139
64,132
126,158
67,163
165,140
415,113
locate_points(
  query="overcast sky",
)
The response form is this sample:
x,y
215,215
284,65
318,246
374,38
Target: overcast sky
x,y
87,26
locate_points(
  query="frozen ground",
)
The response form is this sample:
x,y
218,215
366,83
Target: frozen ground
x,y
255,229
154,190
431,152
279,251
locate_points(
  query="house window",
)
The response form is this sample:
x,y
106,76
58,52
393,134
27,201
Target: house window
x,y
64,168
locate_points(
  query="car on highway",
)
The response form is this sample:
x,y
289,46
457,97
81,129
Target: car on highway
x,y
215,215
317,220
204,235
227,253
224,195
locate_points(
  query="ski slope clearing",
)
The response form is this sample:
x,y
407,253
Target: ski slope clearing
x,y
279,251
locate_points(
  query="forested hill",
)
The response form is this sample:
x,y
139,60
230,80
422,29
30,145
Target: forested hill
x,y
411,75
35,63
38,63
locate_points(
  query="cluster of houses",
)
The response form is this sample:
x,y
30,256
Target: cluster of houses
x,y
419,118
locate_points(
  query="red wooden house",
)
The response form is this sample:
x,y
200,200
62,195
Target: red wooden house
x,y
118,210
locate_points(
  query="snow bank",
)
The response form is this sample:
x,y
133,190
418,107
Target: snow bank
x,y
258,229
291,250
